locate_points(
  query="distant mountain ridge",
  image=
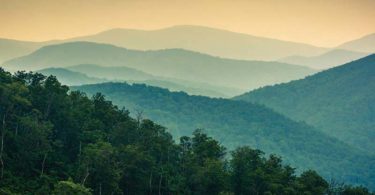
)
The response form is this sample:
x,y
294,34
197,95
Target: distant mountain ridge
x,y
172,63
339,101
327,60
216,42
363,44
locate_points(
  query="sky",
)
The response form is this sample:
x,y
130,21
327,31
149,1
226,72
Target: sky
x,y
324,23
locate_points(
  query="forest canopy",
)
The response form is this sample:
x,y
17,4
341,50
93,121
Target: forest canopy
x,y
58,142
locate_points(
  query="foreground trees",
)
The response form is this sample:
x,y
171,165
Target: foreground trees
x,y
55,142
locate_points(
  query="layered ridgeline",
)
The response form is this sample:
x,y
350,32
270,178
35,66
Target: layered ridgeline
x,y
327,60
85,74
55,142
174,63
173,84
237,123
339,101
212,41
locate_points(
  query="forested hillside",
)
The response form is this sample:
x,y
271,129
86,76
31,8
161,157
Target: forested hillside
x,y
339,101
53,142
237,123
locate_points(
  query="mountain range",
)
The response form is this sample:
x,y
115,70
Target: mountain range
x,y
216,42
316,118
202,39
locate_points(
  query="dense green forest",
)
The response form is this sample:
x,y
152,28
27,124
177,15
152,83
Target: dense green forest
x,y
237,123
59,142
339,101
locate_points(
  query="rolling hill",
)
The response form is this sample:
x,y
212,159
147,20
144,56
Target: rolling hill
x,y
327,60
171,63
340,101
236,123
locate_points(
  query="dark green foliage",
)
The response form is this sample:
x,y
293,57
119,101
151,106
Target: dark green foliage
x,y
311,183
69,188
237,123
53,142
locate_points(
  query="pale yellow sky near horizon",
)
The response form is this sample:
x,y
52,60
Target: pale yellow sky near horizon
x,y
318,22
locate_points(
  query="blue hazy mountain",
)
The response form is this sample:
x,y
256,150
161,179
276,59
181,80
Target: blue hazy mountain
x,y
171,63
85,74
136,76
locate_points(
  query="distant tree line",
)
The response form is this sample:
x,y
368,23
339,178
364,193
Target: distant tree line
x,y
58,142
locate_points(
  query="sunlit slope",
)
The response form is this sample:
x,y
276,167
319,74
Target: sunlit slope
x,y
339,101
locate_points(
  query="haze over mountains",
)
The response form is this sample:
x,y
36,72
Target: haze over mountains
x,y
339,101
89,74
173,63
216,42
323,122
212,41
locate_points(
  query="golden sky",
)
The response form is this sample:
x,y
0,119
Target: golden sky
x,y
317,22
